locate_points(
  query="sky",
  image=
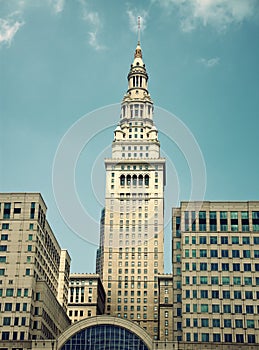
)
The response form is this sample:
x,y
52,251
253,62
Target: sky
x,y
63,74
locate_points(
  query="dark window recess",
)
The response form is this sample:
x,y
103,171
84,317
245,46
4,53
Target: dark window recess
x,y
32,210
17,211
245,221
234,221
223,221
7,210
213,221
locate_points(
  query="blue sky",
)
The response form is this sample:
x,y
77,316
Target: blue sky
x,y
63,59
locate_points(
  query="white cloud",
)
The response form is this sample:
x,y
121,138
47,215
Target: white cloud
x,y
93,41
209,63
8,29
216,13
58,5
133,20
95,24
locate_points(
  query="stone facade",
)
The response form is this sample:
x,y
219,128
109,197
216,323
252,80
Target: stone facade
x,y
86,296
30,271
131,252
216,272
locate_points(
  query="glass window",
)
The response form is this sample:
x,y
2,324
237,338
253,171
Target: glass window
x,y
215,308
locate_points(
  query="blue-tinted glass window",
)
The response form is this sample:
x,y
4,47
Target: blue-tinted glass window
x,y
104,337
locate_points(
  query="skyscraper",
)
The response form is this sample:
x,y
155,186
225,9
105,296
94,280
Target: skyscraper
x,y
131,253
34,271
216,272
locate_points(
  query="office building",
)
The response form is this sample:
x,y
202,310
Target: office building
x,y
34,271
86,296
216,272
130,256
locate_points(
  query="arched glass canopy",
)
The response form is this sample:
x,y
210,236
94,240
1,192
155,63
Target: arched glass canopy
x,y
104,337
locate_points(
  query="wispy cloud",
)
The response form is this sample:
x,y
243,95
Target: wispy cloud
x,y
209,63
133,15
95,24
8,28
216,13
58,5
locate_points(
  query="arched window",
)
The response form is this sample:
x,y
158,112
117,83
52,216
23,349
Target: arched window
x,y
134,180
128,180
146,180
140,180
104,336
122,180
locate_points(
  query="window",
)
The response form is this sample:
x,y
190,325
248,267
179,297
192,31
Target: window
x,y
228,338
227,309
246,254
236,267
246,240
7,321
216,337
238,309
5,335
224,253
204,294
8,306
9,292
226,294
214,266
239,323
4,237
224,240
237,294
248,294
205,337
215,294
235,253
204,280
247,267
213,253
5,226
249,309
250,323
225,267
227,323
251,338
213,240
235,240
205,322
216,322
236,280
203,240
203,266
215,308
204,308
203,253
225,280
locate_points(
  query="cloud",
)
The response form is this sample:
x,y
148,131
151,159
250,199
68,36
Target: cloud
x,y
58,5
216,13
8,29
95,24
133,20
209,63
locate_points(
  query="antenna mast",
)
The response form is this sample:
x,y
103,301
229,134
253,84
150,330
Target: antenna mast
x,y
139,30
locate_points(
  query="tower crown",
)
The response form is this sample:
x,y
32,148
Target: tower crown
x,y
137,77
